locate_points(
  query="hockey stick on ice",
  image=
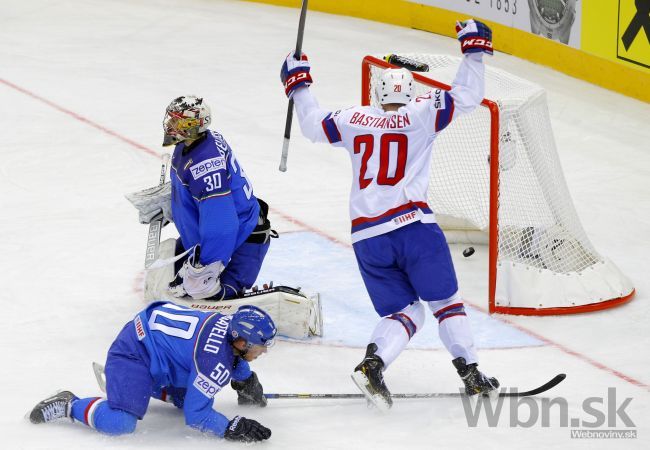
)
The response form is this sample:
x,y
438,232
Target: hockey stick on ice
x,y
557,379
155,226
538,390
287,126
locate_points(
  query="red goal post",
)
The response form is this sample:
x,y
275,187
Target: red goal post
x,y
560,255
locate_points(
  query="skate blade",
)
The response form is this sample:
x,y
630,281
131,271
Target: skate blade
x,y
375,399
100,375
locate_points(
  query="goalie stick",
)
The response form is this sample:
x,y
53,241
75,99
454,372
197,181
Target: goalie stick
x,y
98,369
287,125
155,226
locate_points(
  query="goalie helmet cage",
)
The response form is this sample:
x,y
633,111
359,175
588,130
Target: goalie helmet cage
x,y
496,179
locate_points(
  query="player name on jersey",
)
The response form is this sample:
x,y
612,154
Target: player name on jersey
x,y
395,121
217,335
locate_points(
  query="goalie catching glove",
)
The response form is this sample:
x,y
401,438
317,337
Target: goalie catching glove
x,y
474,37
246,430
295,73
152,202
249,391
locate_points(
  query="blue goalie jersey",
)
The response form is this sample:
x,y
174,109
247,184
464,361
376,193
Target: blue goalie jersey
x,y
189,349
212,200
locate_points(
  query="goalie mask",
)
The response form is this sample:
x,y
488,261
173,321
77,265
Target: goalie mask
x,y
253,325
395,86
185,119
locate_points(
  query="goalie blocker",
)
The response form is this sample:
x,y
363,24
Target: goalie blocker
x,y
295,314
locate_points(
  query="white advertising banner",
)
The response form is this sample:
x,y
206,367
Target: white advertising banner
x,y
554,19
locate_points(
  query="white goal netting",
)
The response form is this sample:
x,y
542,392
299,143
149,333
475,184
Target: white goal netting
x,y
542,246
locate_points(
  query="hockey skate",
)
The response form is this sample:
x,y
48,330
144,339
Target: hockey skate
x,y
369,379
475,381
55,407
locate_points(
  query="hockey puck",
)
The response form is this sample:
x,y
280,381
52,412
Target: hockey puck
x,y
469,251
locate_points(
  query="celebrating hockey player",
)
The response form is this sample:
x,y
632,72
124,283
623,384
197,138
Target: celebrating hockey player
x,y
402,254
192,355
212,205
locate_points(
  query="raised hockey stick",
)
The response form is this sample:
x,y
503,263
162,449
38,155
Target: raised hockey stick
x,y
155,226
287,125
98,369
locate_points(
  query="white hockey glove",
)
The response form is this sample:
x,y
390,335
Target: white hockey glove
x,y
153,201
199,281
295,74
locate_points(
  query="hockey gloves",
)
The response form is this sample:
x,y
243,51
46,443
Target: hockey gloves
x,y
246,430
199,281
474,37
295,74
152,202
249,392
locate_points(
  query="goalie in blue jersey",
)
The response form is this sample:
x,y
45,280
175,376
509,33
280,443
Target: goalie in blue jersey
x,y
180,355
211,202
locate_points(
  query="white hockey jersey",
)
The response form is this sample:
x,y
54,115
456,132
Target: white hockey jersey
x,y
391,151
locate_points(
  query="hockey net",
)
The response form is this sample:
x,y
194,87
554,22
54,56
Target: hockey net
x,y
496,179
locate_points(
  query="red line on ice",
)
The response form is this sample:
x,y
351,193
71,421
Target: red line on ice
x,y
80,118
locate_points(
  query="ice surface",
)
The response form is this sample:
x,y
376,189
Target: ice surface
x,y
83,86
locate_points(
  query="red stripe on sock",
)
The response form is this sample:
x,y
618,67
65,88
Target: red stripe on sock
x,y
87,410
451,315
447,308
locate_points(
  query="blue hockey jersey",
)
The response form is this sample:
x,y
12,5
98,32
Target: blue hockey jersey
x,y
189,349
212,200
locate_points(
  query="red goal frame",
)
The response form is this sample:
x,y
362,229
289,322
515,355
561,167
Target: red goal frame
x,y
493,235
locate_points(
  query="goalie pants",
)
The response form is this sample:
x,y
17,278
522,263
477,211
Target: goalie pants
x,y
410,263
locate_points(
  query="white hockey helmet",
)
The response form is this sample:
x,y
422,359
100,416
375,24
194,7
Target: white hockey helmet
x,y
185,118
395,86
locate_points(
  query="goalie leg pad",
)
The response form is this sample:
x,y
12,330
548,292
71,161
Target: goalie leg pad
x,y
156,281
295,315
